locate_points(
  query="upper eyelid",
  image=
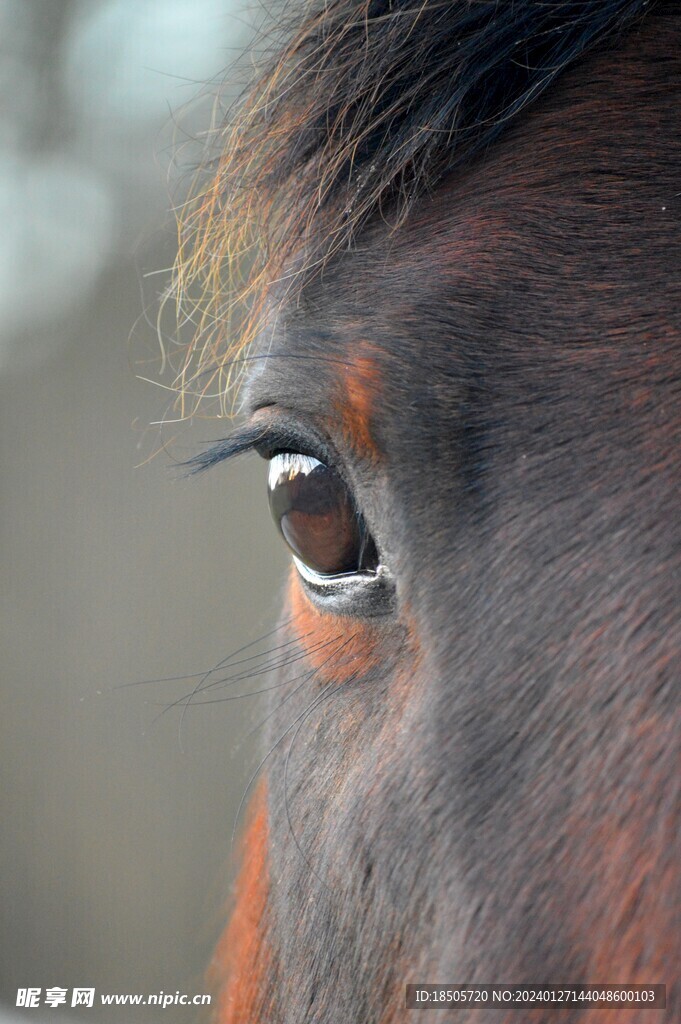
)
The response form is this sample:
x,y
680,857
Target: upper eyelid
x,y
280,439
266,438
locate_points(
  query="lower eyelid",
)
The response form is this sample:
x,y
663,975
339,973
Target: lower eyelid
x,y
357,595
325,580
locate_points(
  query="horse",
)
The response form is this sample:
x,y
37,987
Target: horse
x,y
459,223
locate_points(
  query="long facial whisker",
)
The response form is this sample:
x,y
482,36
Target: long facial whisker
x,y
203,679
272,749
265,668
329,691
239,696
275,709
260,766
221,664
251,732
188,699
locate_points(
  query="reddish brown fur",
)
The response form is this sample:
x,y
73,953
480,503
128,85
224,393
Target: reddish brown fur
x,y
632,922
343,649
359,393
240,964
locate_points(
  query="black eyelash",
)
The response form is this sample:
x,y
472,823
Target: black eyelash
x,y
266,440
242,440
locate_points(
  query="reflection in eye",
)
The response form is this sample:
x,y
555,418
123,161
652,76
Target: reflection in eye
x,y
317,516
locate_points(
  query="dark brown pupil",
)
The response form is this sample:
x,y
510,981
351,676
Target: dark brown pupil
x,y
316,515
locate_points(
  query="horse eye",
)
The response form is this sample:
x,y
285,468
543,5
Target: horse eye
x,y
317,517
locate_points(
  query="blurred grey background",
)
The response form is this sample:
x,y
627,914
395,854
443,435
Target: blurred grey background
x,y
116,814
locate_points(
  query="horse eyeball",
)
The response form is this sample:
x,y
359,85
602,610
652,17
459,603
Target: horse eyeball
x,y
317,517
